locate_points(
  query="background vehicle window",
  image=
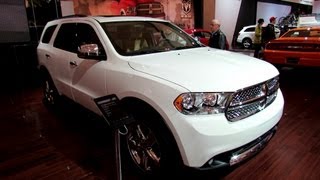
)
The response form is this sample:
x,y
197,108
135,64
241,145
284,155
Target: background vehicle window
x,y
48,34
314,33
250,29
303,33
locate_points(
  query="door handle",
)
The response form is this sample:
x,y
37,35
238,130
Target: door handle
x,y
73,63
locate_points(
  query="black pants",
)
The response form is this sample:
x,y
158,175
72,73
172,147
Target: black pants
x,y
257,49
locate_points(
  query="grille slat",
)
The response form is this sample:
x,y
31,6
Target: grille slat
x,y
248,94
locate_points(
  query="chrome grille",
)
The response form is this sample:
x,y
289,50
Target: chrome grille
x,y
248,94
273,85
251,100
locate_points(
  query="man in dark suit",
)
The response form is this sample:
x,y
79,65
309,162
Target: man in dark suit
x,y
218,38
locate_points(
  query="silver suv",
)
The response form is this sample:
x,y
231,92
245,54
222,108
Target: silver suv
x,y
192,105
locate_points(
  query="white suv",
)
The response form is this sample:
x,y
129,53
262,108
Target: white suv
x,y
193,106
246,36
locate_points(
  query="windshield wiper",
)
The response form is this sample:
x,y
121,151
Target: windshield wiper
x,y
144,51
185,47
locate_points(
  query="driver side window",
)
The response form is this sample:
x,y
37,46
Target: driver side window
x,y
72,35
87,35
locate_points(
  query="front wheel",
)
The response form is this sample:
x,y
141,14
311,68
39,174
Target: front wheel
x,y
144,148
149,143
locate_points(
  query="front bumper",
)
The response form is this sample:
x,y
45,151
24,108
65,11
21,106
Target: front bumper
x,y
203,139
240,154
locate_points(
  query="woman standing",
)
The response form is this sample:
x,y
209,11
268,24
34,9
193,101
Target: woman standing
x,y
257,43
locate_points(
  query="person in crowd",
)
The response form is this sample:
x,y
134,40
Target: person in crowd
x,y
257,38
268,32
218,38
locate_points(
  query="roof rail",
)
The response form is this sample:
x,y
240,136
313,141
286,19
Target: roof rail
x,y
109,15
74,15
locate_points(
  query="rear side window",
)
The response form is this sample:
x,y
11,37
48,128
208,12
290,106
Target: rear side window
x,y
315,33
48,34
250,29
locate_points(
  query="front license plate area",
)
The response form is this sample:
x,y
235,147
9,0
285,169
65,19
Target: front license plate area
x,y
241,156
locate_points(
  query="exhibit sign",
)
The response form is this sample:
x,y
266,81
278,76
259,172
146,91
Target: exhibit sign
x,y
113,112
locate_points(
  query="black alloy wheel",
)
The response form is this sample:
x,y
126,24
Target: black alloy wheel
x,y
144,148
149,144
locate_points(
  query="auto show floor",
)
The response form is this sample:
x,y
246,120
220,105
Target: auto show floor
x,y
70,143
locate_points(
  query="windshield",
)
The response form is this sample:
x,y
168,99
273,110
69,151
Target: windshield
x,y
144,37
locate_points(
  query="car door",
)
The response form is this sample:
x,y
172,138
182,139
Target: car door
x,y
64,49
88,75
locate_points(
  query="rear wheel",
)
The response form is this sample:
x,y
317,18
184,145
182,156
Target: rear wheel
x,y
247,43
50,93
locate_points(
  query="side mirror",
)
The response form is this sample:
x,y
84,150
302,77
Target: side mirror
x,y
91,51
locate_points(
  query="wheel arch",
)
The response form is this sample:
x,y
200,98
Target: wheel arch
x,y
149,109
43,70
44,73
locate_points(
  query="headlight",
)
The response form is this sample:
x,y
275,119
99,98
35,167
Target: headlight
x,y
201,103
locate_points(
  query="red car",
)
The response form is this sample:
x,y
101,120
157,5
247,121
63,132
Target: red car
x,y
200,34
297,47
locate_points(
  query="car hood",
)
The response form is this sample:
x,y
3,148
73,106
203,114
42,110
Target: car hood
x,y
205,69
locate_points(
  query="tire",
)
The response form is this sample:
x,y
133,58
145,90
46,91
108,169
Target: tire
x,y
150,145
50,93
247,43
